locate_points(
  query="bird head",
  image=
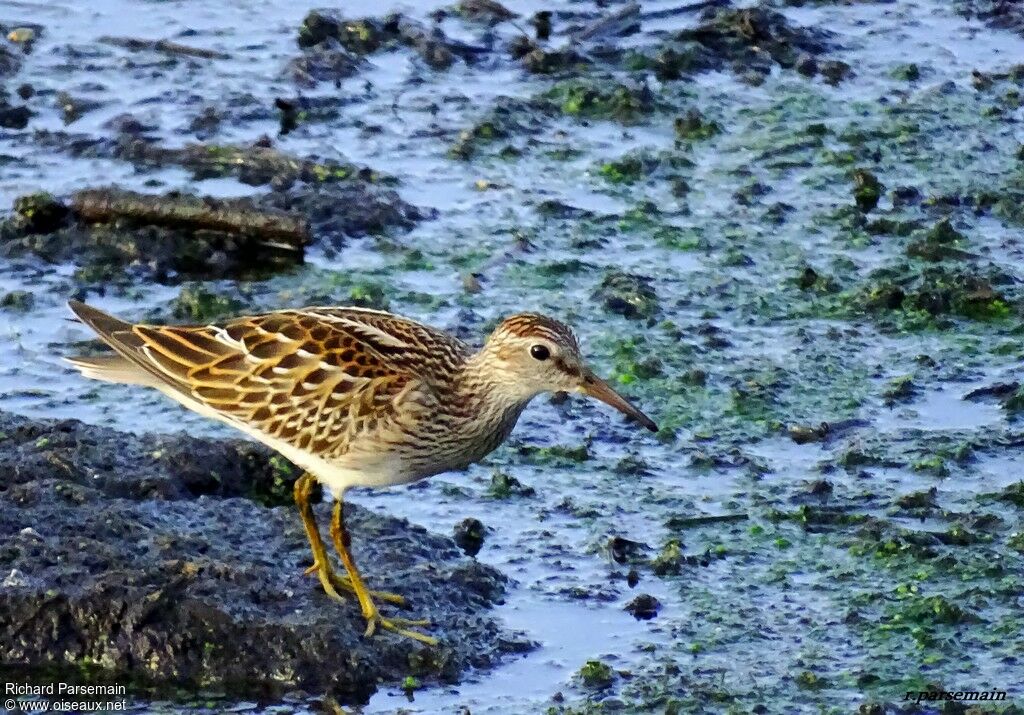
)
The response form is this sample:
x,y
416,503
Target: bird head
x,y
530,353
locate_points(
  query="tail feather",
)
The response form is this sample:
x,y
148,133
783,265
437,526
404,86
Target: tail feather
x,y
113,368
129,365
108,327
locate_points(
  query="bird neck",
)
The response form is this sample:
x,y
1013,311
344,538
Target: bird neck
x,y
490,390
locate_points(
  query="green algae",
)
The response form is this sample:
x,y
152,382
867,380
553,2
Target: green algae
x,y
505,486
19,301
589,99
595,674
669,560
198,304
554,455
867,190
694,127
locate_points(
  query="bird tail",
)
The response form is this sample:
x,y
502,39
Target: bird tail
x,y
125,367
112,368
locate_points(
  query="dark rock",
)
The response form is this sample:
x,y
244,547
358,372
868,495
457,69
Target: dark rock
x,y
623,550
835,71
867,190
676,60
505,486
599,99
39,213
337,198
905,196
520,46
693,126
14,117
360,37
643,607
469,535
149,467
18,301
121,563
541,22
553,208
629,295
340,210
128,125
806,65
10,62
196,304
73,108
322,28
317,26
487,12
207,122
541,61
746,37
938,290
940,243
325,62
167,237
997,14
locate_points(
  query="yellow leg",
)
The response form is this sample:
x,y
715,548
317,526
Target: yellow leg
x,y
330,580
373,618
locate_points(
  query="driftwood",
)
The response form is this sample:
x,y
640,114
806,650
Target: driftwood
x,y
273,228
135,44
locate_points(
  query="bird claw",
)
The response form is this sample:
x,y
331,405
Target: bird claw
x,y
395,626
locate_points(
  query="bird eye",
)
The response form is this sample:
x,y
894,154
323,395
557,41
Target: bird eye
x,y
540,352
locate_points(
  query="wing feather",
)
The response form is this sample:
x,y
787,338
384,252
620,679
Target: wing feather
x,y
315,378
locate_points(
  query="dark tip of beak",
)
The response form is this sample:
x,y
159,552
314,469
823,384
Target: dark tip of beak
x,y
600,390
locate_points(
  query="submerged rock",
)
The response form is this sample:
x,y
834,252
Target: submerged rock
x,y
338,199
176,234
469,534
867,190
940,290
997,14
12,116
755,37
325,62
600,99
643,607
144,556
486,12
10,62
629,295
365,36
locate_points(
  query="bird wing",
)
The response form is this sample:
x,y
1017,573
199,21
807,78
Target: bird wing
x,y
313,378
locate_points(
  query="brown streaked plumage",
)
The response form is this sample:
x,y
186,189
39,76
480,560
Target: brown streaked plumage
x,y
355,397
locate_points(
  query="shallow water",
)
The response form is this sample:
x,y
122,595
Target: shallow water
x,y
749,624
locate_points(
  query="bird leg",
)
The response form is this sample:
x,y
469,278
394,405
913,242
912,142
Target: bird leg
x,y
329,578
373,618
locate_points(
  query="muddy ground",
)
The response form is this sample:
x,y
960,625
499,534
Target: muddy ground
x,y
790,230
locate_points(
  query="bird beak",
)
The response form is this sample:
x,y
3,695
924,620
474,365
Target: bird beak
x,y
600,390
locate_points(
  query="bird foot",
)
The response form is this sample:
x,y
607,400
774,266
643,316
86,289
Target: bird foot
x,y
395,625
335,582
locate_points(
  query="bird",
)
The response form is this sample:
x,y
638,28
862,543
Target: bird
x,y
355,397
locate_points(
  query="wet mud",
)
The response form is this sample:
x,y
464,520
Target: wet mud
x,y
790,230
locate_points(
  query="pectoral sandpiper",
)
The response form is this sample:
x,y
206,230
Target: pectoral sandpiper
x,y
357,398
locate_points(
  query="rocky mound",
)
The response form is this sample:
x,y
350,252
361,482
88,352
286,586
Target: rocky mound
x,y
162,561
